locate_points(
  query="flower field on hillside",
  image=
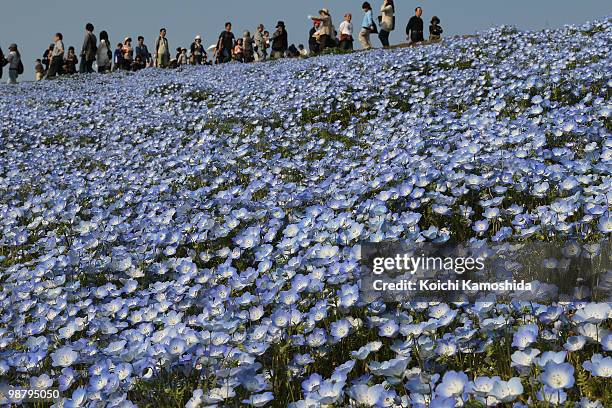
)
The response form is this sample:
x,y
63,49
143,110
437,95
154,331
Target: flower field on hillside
x,y
192,237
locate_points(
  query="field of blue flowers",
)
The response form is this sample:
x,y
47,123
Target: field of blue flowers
x,y
191,237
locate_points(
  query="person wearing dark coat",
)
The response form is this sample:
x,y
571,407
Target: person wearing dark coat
x,y
435,31
2,62
313,43
88,50
414,29
280,41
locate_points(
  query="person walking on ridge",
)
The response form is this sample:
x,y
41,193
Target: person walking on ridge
x,y
367,26
414,29
387,22
225,44
88,50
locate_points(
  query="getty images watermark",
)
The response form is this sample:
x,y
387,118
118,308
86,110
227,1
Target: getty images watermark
x,y
540,271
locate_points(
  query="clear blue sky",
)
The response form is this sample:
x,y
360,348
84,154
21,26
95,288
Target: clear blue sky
x,y
32,23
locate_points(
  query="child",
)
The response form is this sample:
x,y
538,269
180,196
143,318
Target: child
x,y
435,31
118,57
182,58
238,54
39,70
70,62
303,51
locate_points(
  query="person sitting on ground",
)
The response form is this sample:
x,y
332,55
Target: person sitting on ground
x,y
292,51
414,29
70,62
303,51
39,70
435,31
118,58
248,48
237,52
57,57
138,63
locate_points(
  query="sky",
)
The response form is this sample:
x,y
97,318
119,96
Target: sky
x,y
32,23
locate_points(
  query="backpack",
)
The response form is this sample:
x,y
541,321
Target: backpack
x,y
20,68
3,61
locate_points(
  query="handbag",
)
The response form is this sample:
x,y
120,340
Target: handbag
x,y
373,29
392,23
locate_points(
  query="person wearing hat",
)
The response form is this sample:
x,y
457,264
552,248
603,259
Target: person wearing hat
x,y
280,41
225,44
325,32
260,43
14,63
198,53
435,31
181,58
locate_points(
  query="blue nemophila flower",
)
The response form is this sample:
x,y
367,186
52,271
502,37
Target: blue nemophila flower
x,y
558,375
454,384
599,366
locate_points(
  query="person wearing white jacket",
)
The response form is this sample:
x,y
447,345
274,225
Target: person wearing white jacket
x,y
387,21
104,54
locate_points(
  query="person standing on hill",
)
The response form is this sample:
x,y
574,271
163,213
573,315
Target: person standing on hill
x,y
346,33
260,43
248,49
414,29
104,55
142,51
367,26
162,50
14,63
57,57
325,32
280,41
198,53
435,31
88,50
225,44
3,62
387,22
70,62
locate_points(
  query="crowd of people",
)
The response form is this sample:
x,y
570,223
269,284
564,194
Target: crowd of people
x,y
56,60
